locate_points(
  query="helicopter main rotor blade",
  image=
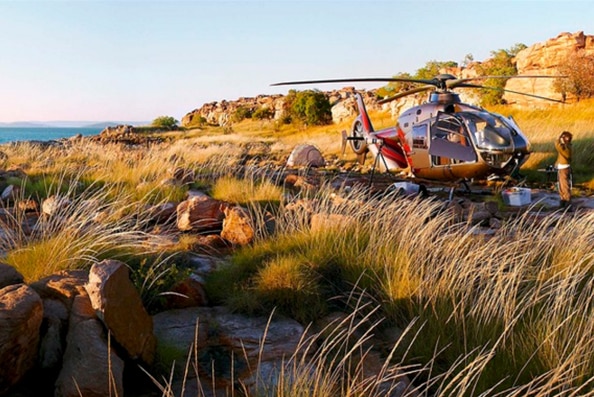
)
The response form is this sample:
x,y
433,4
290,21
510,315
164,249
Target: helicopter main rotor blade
x,y
466,85
355,80
405,93
457,82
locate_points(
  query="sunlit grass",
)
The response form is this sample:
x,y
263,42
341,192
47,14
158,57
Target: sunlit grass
x,y
247,190
513,310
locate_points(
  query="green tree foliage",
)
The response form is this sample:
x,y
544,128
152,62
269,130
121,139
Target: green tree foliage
x,y
500,64
428,72
311,107
433,68
395,87
241,113
263,113
165,122
579,80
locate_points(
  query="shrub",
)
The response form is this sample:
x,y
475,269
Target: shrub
x,y
165,122
579,82
263,113
311,107
241,113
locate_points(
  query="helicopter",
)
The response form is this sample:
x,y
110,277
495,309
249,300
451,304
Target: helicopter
x,y
442,139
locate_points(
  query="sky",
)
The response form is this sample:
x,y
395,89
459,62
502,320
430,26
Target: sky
x,y
122,60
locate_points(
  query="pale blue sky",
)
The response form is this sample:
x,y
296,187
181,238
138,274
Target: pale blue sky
x,y
137,60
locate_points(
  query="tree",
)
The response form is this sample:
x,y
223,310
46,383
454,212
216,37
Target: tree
x,y
579,76
165,122
500,64
311,107
395,87
433,68
428,72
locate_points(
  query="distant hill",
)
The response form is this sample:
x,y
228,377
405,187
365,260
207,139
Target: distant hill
x,y
24,124
72,124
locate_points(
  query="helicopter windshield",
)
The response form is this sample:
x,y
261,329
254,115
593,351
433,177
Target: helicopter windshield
x,y
489,131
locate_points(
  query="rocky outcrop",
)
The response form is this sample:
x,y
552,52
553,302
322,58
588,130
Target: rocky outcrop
x,y
543,59
124,134
221,113
21,313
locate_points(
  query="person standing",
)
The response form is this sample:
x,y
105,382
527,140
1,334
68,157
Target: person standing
x,y
563,163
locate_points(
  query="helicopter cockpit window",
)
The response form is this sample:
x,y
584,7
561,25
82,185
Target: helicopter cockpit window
x,y
489,131
419,136
450,142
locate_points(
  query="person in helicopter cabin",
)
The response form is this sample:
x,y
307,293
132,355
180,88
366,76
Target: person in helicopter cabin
x,y
563,164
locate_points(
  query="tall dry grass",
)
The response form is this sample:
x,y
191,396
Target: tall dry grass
x,y
507,315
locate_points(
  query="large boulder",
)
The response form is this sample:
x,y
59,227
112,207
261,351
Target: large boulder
x,y
21,313
200,213
91,366
119,306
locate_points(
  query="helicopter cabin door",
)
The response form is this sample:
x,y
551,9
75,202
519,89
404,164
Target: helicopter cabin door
x,y
449,142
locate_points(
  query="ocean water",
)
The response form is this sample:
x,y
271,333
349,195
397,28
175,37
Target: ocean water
x,y
15,134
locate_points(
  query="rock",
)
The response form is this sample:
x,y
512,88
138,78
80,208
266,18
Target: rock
x,y
119,306
27,205
21,313
63,286
54,205
227,344
200,213
11,193
184,176
187,293
9,276
543,59
306,156
162,213
91,367
55,323
238,226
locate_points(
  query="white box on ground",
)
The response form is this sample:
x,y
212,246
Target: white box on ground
x,y
406,187
516,196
